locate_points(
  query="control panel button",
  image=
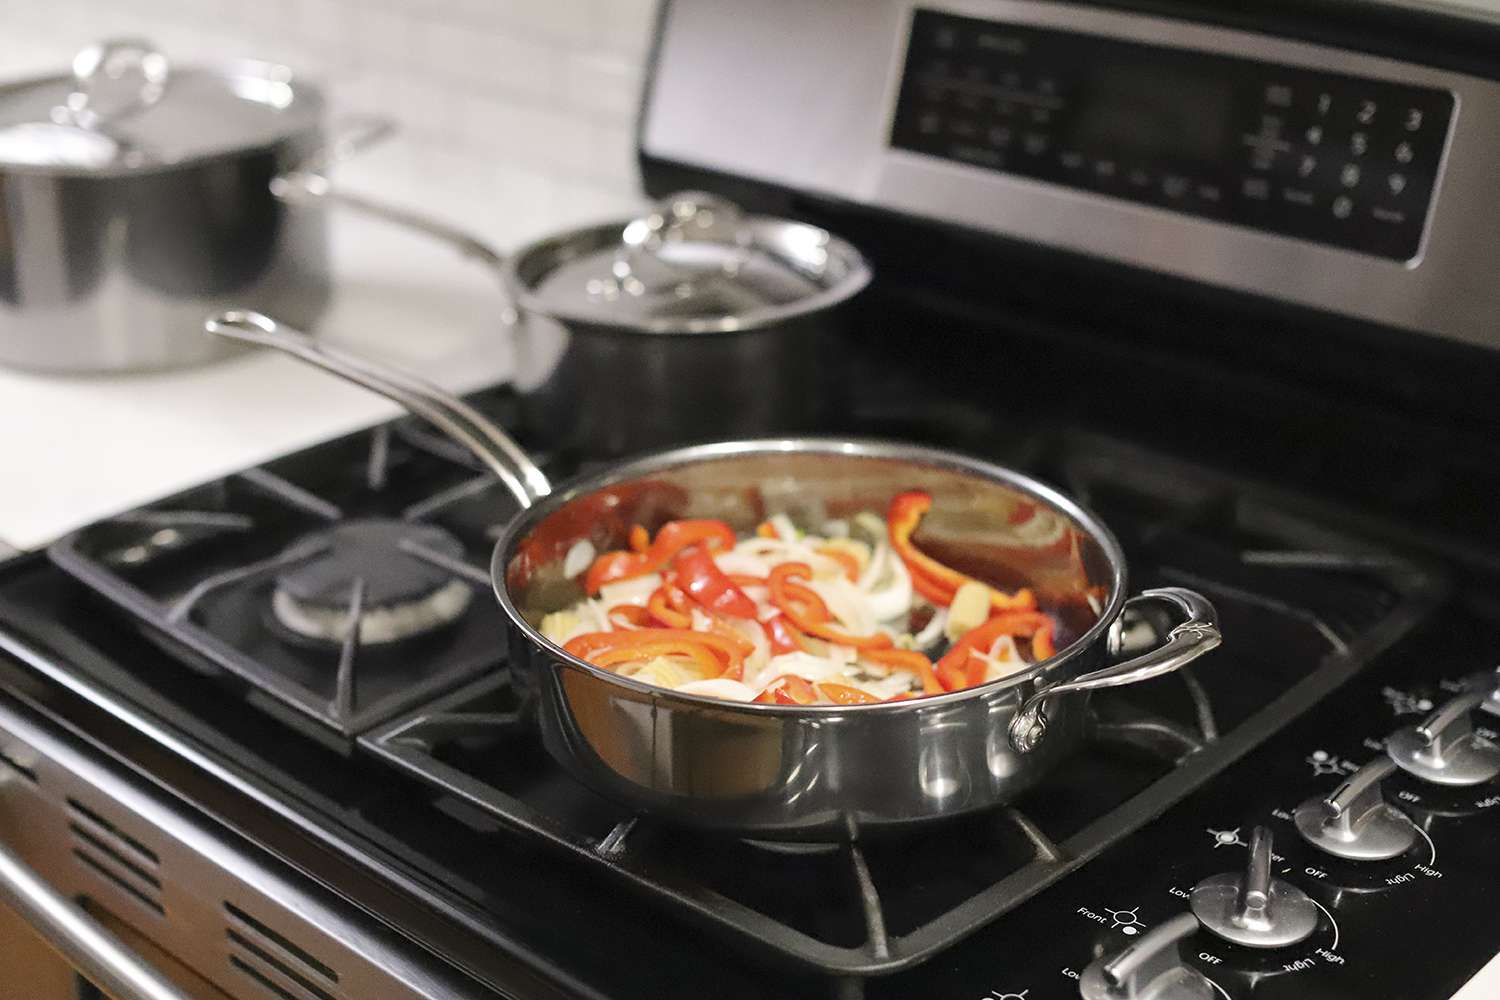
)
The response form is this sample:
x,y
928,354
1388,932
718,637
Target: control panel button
x,y
1314,135
1356,822
1349,175
1366,113
1404,152
1253,909
1257,188
1359,143
1413,120
1396,182
1149,968
1444,748
1343,206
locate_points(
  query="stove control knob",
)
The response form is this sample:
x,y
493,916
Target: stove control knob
x,y
1444,748
1254,909
1356,822
1150,968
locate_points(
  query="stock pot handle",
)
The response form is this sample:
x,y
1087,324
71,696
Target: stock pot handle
x,y
1195,635
445,411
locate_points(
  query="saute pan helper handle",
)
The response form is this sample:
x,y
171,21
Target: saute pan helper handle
x,y
308,184
460,421
1197,634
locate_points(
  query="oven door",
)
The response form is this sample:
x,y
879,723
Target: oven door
x,y
59,949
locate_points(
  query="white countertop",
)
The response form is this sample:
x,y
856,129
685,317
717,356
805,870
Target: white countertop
x,y
75,449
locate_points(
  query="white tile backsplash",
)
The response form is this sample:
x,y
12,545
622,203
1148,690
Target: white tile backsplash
x,y
516,116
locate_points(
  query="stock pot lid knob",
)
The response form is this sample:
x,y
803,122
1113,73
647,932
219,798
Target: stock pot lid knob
x,y
1149,968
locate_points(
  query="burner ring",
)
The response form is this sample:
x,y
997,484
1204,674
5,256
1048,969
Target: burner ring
x,y
405,595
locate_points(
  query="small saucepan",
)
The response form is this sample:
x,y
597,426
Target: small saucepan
x,y
692,321
793,771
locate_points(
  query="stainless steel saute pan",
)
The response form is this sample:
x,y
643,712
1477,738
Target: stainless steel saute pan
x,y
772,771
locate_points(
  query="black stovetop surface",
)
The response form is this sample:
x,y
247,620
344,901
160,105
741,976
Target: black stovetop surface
x,y
1322,625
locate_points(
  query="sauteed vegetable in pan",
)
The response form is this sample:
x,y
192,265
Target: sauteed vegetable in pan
x,y
850,613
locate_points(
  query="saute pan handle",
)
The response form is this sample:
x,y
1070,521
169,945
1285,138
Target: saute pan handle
x,y
308,183
1197,634
449,414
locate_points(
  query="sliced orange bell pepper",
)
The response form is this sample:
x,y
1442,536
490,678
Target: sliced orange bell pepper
x,y
930,578
729,651
843,694
907,659
698,654
640,538
844,559
808,612
630,614
668,610
788,689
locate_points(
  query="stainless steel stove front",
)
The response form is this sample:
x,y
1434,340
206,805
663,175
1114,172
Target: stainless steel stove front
x,y
88,847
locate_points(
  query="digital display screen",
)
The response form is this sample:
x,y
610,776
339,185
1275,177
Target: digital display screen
x,y
1132,112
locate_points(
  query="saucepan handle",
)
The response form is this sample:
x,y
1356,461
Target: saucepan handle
x,y
1196,634
445,411
308,184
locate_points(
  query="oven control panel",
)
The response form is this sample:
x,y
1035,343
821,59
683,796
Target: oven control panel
x,y
1342,160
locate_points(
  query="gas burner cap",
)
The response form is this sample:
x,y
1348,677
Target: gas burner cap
x,y
404,595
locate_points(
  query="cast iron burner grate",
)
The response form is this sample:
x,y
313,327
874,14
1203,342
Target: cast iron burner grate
x,y
353,538
1306,609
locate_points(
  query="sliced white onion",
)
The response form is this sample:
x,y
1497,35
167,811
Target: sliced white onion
x,y
635,591
579,558
720,687
893,599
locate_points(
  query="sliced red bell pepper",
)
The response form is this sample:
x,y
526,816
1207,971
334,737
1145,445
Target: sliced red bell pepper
x,y
783,635
674,536
700,576
930,578
907,659
952,669
808,612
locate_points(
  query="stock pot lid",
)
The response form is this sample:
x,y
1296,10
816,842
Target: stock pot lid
x,y
693,263
124,108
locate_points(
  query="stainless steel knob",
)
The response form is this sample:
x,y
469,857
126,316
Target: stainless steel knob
x,y
1444,748
1254,909
1151,968
1356,822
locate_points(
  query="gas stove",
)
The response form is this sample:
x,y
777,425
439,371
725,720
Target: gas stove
x,y
442,790
267,724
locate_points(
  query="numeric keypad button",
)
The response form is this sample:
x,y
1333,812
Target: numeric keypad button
x,y
1404,152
